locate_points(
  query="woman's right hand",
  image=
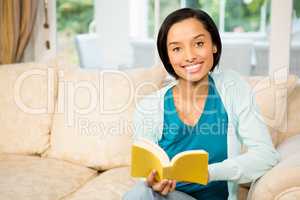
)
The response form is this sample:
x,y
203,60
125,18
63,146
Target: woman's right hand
x,y
163,187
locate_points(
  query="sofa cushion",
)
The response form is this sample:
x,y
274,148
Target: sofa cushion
x,y
27,93
36,178
290,194
289,147
111,185
271,97
283,177
243,192
93,122
293,117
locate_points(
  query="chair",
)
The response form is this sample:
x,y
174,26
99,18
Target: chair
x,y
262,58
89,51
295,58
237,55
143,53
261,52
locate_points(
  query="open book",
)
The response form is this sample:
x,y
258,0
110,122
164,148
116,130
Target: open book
x,y
188,166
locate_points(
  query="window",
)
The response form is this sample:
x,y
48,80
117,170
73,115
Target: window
x,y
246,15
295,44
73,17
229,15
244,26
165,7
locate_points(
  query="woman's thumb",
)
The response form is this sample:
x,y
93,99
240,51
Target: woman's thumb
x,y
151,178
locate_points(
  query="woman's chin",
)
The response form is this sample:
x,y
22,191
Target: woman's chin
x,y
193,77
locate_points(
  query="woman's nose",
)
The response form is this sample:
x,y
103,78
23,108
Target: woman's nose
x,y
189,55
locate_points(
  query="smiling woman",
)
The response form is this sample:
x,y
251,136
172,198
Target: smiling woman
x,y
179,46
190,50
189,46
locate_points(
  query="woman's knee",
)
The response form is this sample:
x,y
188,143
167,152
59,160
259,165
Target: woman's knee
x,y
139,192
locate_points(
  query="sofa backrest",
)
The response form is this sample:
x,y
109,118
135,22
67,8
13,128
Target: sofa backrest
x,y
27,95
272,96
92,124
293,116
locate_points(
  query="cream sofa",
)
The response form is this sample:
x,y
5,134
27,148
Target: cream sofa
x,y
65,134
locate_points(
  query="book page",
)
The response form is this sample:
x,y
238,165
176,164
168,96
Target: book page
x,y
190,166
181,154
156,149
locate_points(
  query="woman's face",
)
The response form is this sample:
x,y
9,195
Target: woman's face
x,y
190,49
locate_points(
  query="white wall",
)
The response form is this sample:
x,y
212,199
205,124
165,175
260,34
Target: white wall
x,y
112,25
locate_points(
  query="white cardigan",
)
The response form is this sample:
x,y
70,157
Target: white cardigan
x,y
245,126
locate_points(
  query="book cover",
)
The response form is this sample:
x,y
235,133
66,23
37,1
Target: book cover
x,y
188,166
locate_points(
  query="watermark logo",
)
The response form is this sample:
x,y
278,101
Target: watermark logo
x,y
113,92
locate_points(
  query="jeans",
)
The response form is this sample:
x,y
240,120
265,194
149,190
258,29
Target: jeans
x,y
142,192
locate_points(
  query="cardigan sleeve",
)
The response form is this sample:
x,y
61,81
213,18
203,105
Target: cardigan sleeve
x,y
147,118
261,156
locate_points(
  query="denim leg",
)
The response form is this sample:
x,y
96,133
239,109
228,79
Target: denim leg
x,y
142,192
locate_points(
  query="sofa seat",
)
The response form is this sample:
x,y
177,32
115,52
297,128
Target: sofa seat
x,y
111,184
36,178
281,182
291,194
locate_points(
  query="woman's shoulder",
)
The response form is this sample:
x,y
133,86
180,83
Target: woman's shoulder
x,y
227,75
229,79
154,101
233,87
157,95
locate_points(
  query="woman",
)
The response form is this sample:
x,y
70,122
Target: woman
x,y
205,109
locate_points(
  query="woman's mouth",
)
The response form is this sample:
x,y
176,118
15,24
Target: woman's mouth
x,y
193,68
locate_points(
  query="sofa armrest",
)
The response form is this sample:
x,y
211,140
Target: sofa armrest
x,y
278,181
289,147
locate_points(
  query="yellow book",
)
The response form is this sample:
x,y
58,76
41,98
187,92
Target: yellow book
x,y
188,166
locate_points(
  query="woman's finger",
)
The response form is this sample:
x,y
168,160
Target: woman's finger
x,y
151,178
167,188
173,186
159,186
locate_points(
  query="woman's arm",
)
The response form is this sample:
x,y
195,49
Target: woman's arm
x,y
146,118
253,133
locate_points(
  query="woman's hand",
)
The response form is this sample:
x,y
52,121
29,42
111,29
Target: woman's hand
x,y
163,187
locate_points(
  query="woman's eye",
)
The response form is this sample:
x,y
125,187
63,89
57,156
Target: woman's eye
x,y
199,44
176,49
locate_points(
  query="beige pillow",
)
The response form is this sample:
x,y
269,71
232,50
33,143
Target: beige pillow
x,y
93,122
27,93
271,97
293,116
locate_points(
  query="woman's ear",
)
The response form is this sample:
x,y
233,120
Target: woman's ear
x,y
215,49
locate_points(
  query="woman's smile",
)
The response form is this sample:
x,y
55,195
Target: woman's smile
x,y
190,50
193,68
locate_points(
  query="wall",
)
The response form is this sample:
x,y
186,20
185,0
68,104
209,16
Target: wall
x,y
112,26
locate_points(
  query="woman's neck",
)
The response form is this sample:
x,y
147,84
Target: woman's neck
x,y
189,91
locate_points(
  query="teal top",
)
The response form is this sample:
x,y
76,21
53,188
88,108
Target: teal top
x,y
209,134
